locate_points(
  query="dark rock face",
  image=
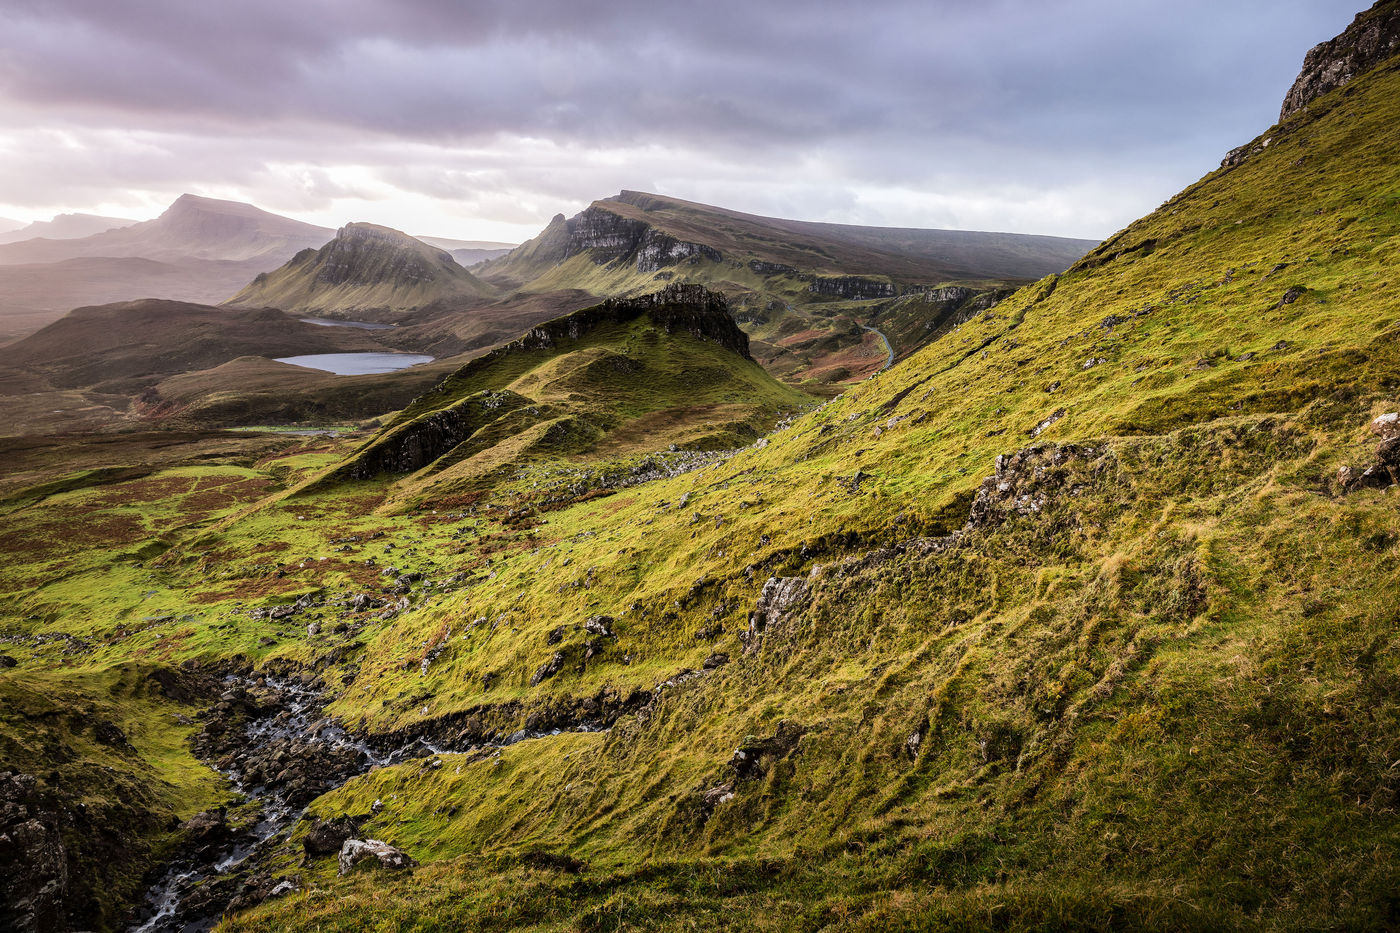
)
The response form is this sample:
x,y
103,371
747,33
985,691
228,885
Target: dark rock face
x,y
418,443
33,860
755,756
852,288
1372,37
326,837
607,237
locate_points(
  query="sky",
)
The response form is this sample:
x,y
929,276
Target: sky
x,y
481,119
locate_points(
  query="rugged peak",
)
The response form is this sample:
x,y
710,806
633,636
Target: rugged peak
x,y
361,232
366,267
1371,38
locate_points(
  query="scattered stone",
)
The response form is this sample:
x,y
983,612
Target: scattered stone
x,y
1385,427
548,669
7,661
1044,425
1292,295
327,837
556,635
600,625
716,660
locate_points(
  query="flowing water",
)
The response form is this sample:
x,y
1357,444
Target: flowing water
x,y
297,717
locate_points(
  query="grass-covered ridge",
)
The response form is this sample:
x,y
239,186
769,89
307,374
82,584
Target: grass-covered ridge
x,y
1144,677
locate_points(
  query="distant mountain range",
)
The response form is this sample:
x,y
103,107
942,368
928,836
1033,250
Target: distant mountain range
x,y
191,228
62,227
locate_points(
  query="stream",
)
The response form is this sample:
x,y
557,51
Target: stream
x,y
284,721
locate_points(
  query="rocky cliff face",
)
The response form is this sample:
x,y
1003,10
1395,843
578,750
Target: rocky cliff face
x,y
1372,37
608,237
852,287
691,308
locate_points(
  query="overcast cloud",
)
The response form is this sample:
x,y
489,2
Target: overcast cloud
x,y
483,119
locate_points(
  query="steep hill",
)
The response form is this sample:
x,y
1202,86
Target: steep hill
x,y
628,375
366,268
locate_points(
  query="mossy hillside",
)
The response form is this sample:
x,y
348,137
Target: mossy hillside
x,y
1163,689
617,383
109,748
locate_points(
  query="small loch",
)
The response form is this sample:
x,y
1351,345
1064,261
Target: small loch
x,y
357,364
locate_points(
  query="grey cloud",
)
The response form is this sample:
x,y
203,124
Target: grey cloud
x,y
933,95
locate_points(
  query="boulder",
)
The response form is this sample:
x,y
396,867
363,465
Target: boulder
x,y
358,853
327,837
1387,426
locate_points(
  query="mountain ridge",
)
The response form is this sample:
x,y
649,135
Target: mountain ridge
x,y
364,268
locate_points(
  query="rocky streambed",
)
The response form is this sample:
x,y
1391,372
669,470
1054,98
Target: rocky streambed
x,y
270,738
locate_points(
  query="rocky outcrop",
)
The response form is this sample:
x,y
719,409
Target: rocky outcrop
x,y
780,600
1371,38
1384,471
414,445
852,287
659,249
33,860
608,237
680,307
1027,481
371,853
326,837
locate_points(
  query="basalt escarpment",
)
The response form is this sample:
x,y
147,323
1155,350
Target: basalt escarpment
x,y
1371,38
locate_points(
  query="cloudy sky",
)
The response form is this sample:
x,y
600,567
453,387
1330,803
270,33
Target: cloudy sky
x,y
483,118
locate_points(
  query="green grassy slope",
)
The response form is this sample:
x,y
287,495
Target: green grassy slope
x,y
1149,685
626,377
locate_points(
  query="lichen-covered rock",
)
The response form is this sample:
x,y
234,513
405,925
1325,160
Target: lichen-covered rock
x,y
781,598
359,853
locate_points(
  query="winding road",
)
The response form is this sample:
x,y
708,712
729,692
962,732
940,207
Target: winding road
x,y
889,347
